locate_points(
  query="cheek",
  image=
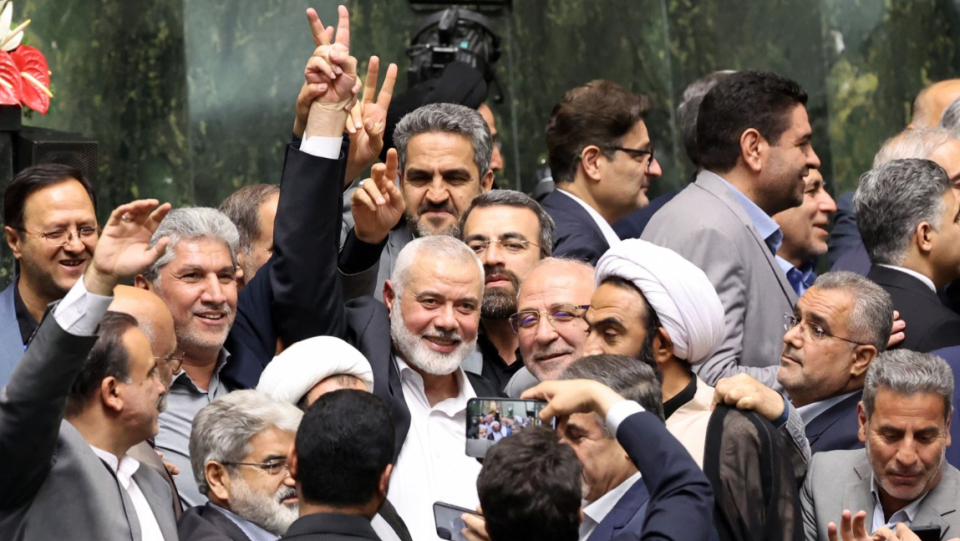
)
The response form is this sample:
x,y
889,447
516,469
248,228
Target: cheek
x,y
469,326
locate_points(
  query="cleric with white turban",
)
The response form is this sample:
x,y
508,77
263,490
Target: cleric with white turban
x,y
678,291
300,367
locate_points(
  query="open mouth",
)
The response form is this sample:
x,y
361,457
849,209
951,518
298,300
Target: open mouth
x,y
211,317
551,356
72,264
442,343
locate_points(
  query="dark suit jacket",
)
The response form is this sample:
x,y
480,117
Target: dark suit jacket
x,y
836,429
633,225
844,236
331,527
628,515
11,343
952,356
578,235
204,523
930,325
53,485
680,507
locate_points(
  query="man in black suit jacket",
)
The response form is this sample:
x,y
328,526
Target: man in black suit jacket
x,y
952,356
909,218
602,169
342,462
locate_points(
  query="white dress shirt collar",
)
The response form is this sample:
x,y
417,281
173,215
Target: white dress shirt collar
x,y
810,412
251,530
608,233
905,515
595,512
913,273
124,469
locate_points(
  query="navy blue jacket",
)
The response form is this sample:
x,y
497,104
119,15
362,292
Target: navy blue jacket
x,y
837,428
952,356
930,324
628,515
578,235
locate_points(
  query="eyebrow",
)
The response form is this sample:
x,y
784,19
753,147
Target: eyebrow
x,y
606,322
817,319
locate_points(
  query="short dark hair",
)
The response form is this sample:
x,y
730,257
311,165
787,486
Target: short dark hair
x,y
631,379
689,108
108,358
511,198
530,488
599,113
34,178
344,443
747,99
243,209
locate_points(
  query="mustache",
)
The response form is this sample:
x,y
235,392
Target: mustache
x,y
500,269
284,493
446,206
446,335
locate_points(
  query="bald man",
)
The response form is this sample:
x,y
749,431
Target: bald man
x,y
930,103
156,322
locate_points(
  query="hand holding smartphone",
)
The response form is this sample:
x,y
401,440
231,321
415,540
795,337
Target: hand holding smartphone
x,y
449,524
489,420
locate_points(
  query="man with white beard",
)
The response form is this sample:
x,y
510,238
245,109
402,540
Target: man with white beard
x,y
238,450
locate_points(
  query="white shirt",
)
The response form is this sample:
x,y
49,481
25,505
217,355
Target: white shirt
x,y
594,513
433,465
915,274
608,233
811,411
124,469
905,515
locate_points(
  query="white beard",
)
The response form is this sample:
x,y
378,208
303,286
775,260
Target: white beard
x,y
418,354
264,510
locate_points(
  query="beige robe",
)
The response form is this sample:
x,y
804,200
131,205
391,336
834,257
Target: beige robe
x,y
689,423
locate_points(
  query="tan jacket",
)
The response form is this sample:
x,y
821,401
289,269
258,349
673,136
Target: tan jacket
x,y
689,423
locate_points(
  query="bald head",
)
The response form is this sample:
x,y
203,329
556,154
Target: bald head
x,y
931,101
152,315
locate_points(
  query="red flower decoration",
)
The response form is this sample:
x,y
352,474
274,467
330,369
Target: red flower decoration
x,y
10,81
35,88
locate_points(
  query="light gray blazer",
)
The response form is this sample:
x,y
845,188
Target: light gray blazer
x,y
53,485
838,480
707,225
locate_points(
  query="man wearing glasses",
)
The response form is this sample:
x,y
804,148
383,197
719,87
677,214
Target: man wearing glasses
x,y
51,228
602,162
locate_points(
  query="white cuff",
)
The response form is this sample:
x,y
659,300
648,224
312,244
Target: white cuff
x,y
80,312
322,147
619,412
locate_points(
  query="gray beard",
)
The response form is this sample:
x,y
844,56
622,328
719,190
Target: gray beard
x,y
264,510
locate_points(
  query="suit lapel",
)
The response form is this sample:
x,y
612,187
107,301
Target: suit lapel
x,y
858,495
939,503
11,343
623,512
561,201
157,493
398,407
825,420
722,192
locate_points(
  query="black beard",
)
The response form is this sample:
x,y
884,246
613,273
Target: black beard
x,y
646,355
498,304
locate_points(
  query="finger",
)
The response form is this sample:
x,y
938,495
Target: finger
x,y
392,165
845,527
343,27
360,197
374,192
159,248
157,216
832,532
356,116
318,63
136,209
320,36
386,91
370,85
860,525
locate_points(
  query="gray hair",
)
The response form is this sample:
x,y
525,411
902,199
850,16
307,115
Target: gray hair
x,y
511,198
223,428
690,106
919,143
892,200
908,373
446,118
192,223
872,317
950,120
243,209
440,246
629,377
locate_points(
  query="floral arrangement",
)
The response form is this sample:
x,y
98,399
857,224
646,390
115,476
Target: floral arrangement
x,y
24,75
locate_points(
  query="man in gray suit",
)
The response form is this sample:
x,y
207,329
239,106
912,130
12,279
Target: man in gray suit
x,y
902,476
754,139
67,419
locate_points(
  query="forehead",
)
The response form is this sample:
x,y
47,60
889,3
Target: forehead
x,y
138,346
799,122
584,421
439,150
451,278
916,411
207,253
832,305
271,441
638,136
556,284
495,221
615,301
68,195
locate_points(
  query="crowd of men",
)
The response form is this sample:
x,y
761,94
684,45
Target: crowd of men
x,y
298,363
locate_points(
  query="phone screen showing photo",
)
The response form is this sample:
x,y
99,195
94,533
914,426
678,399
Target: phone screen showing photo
x,y
489,420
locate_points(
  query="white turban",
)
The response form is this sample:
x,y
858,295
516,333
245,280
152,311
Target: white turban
x,y
291,375
679,292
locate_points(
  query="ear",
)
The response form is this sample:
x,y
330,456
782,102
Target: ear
x,y
384,483
218,480
753,149
924,237
862,418
486,182
292,461
662,347
13,240
110,394
239,273
389,295
862,357
949,440
590,162
142,283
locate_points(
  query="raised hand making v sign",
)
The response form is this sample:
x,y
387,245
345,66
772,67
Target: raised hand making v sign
x,y
332,74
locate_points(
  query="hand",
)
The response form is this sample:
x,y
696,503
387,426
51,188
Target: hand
x,y
369,119
896,334
332,69
854,530
172,468
124,248
745,393
377,205
573,396
476,527
308,93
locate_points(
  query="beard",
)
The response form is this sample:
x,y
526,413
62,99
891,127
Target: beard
x,y
500,302
423,228
264,510
900,493
417,353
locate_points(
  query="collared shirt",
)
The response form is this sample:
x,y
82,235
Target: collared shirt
x,y
184,401
251,530
905,515
124,470
811,411
608,233
594,513
767,228
915,274
25,320
800,278
433,465
495,369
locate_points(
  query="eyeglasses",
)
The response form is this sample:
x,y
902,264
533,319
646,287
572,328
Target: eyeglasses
x,y
174,360
511,245
812,330
637,153
557,316
273,467
62,237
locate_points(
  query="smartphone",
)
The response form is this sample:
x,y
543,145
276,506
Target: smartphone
x,y
927,533
489,420
449,524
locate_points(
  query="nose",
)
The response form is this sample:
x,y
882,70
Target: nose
x,y
792,337
592,345
813,161
654,169
213,291
437,192
906,452
493,255
287,478
827,204
496,159
546,333
445,319
74,245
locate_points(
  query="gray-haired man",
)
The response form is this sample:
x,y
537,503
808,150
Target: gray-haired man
x,y
238,450
902,476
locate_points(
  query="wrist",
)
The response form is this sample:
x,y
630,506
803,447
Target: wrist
x,y
326,119
370,237
98,283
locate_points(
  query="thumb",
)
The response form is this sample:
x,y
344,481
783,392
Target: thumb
x,y
158,249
